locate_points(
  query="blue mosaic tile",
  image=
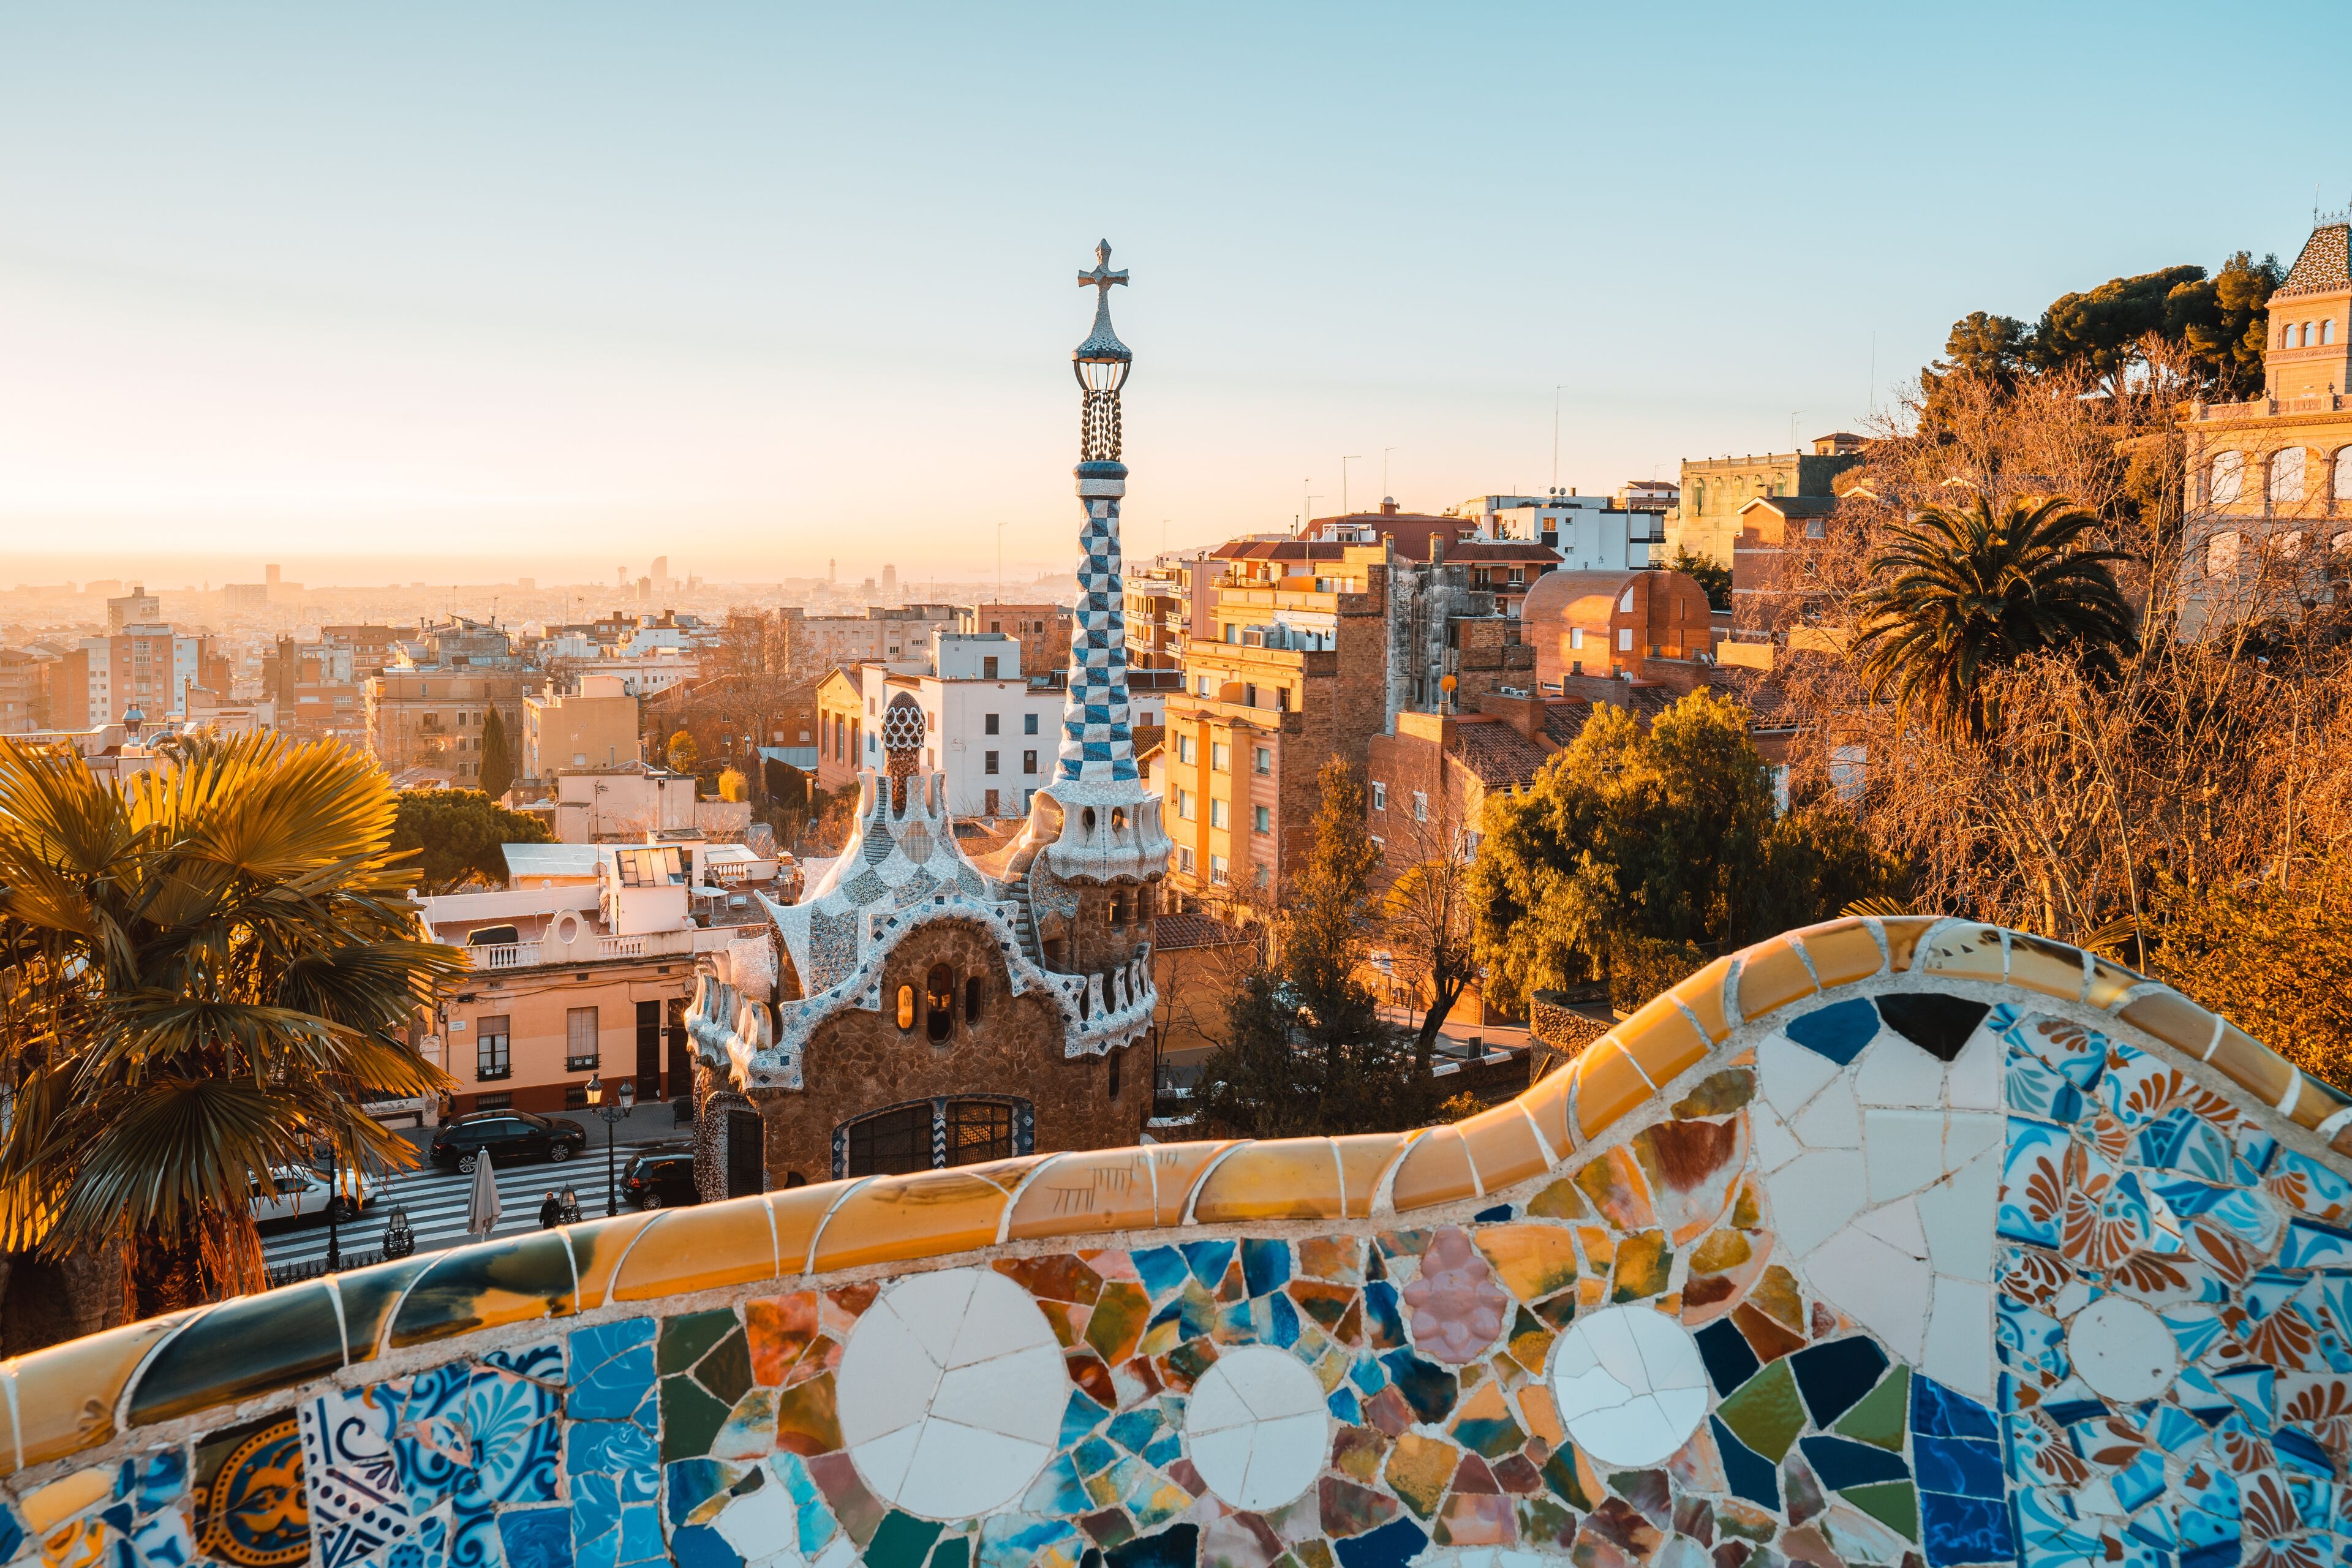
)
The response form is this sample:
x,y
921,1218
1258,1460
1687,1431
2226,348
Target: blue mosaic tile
x,y
611,1371
1940,1412
1266,1265
1959,1464
1209,1260
1162,1269
1392,1545
1838,1031
1749,1473
536,1537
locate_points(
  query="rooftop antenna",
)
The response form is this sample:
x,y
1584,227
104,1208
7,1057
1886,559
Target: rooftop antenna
x,y
1353,458
1386,493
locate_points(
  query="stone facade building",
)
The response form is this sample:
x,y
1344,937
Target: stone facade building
x,y
2270,480
916,1009
1706,519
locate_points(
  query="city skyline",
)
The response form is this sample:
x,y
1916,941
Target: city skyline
x,y
541,294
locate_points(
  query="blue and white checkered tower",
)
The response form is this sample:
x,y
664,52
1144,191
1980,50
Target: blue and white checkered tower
x,y
1094,821
1097,737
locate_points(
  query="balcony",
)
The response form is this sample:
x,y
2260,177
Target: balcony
x,y
2262,407
549,954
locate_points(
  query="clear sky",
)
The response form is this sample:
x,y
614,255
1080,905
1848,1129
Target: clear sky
x,y
568,286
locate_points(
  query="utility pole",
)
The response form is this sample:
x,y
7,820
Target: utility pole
x,y
1352,458
1385,492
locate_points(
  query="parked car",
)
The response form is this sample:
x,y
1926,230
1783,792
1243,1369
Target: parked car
x,y
299,1192
661,1177
510,1136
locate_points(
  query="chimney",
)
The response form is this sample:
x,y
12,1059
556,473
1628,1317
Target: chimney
x,y
1437,548
1388,506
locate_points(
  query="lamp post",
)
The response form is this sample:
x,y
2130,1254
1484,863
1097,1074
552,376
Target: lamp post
x,y
611,1114
334,1210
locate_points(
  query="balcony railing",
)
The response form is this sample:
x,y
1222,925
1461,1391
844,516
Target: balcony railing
x,y
2310,403
548,952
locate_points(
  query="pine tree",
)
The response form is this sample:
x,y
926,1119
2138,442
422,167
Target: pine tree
x,y
497,773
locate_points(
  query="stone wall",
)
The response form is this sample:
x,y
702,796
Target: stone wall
x,y
1893,1242
862,1059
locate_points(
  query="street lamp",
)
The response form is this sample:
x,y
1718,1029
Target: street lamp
x,y
611,1114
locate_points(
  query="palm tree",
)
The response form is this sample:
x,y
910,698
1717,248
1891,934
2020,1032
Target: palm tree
x,y
1965,593
207,973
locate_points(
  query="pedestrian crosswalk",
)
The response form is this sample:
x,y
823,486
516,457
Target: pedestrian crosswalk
x,y
436,1202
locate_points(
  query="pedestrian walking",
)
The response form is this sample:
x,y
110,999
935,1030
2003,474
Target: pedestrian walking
x,y
550,1211
571,1206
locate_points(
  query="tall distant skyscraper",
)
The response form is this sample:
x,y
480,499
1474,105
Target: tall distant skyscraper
x,y
890,582
661,573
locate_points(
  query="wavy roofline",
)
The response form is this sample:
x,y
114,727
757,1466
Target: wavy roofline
x,y
71,1397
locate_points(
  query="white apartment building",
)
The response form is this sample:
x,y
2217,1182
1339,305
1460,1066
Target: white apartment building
x,y
985,725
1592,533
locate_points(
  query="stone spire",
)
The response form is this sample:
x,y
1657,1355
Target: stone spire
x,y
1097,733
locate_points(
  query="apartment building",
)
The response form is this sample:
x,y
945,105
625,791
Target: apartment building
x,y
1469,537
576,975
317,688
26,683
1600,626
1588,533
1315,646
142,665
595,727
1167,605
1766,613
1043,630
899,636
840,728
425,711
1706,520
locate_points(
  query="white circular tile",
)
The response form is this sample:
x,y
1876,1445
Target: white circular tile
x,y
1631,1385
951,1393
1256,1427
2122,1349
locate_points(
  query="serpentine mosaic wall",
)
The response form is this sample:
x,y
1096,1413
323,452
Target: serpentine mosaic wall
x,y
1921,1270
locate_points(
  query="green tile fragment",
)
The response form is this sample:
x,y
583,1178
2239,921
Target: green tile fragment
x,y
955,1551
1878,1417
902,1542
1892,1503
1765,1413
685,1337
690,1419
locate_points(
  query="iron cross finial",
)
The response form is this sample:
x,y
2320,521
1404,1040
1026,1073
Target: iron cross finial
x,y
1102,277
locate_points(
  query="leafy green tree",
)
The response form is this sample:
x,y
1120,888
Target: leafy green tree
x,y
1994,347
1638,849
1307,1050
1628,832
455,834
1961,595
2100,329
683,754
497,770
201,977
1707,573
2225,322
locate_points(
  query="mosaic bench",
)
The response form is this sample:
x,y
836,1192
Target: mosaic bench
x,y
1890,1241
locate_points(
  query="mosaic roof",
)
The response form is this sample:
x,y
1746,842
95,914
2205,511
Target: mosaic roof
x,y
2323,266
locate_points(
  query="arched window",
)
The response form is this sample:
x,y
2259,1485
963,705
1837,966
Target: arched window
x,y
2289,546
2221,554
938,999
2286,336
2328,330
2304,341
2228,482
2286,477
2342,543
972,999
1116,1058
2343,486
905,1007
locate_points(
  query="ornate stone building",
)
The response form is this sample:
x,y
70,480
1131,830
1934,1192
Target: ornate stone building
x,y
917,1009
2270,480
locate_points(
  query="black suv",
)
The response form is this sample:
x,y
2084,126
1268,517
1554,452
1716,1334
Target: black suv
x,y
508,1136
661,1177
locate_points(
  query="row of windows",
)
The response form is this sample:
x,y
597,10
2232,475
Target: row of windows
x,y
2300,335
1028,762
988,725
493,1058
2282,476
2225,554
1221,756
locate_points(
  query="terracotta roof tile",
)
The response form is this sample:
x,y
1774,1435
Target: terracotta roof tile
x,y
1497,755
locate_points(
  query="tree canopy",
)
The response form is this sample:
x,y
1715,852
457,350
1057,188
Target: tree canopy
x,y
1634,835
456,835
683,754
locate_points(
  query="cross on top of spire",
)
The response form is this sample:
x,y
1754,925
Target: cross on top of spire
x,y
1102,277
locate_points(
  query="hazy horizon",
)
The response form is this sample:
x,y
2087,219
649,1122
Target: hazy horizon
x,y
560,288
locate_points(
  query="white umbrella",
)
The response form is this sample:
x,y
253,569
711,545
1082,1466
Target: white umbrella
x,y
482,1209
